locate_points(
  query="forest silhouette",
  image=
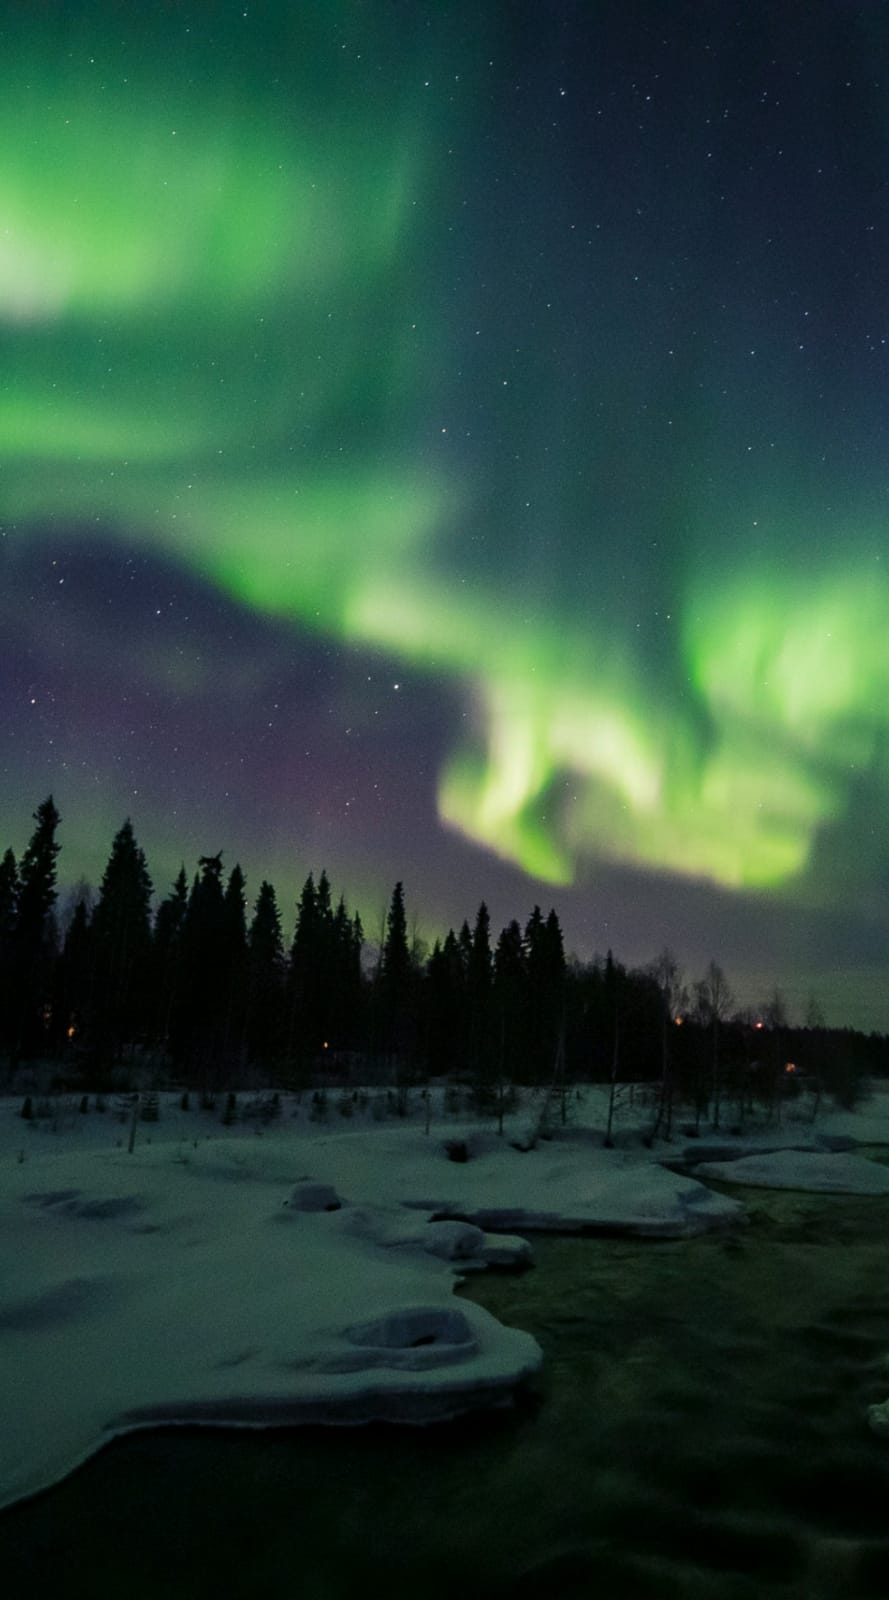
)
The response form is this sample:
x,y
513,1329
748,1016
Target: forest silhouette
x,y
208,991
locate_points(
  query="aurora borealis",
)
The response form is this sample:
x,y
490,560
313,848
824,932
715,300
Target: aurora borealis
x,y
448,441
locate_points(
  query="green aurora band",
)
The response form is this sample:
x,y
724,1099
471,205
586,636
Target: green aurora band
x,y
204,292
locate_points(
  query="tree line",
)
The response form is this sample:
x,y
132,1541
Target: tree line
x,y
206,989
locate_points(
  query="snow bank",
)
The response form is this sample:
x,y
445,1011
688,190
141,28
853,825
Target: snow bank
x,y
573,1187
154,1288
817,1171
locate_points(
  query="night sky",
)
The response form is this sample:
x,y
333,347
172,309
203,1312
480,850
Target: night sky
x,y
448,441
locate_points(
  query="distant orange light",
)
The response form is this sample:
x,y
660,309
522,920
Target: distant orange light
x,y
790,1067
325,1044
71,1031
760,1024
679,1021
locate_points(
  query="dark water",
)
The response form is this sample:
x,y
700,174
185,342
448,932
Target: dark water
x,y
699,1430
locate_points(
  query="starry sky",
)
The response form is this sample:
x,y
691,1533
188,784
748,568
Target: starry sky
x,y
448,441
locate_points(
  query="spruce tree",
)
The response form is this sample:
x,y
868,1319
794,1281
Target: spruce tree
x,y
235,906
464,948
346,989
9,894
233,973
538,1042
120,935
545,966
480,954
445,1007
396,986
304,1037
166,958
200,1009
510,1003
478,988
325,997
74,982
396,968
265,962
325,1021
32,943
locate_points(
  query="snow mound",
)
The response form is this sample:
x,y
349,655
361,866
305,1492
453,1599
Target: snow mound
x,y
413,1326
452,1241
468,1247
816,1171
309,1196
506,1250
101,1208
60,1303
412,1338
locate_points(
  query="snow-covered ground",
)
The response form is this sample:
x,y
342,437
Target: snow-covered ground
x,y
203,1277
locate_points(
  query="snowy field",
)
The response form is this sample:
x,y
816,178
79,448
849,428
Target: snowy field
x,y
303,1270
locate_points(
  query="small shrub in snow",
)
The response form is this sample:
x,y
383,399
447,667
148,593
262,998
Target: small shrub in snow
x,y
452,1103
402,1100
456,1150
483,1099
28,1108
230,1113
184,1102
319,1106
84,1104
262,1108
149,1107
